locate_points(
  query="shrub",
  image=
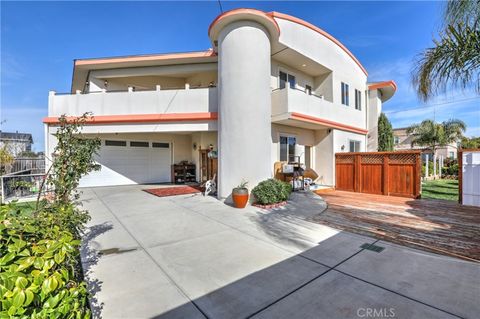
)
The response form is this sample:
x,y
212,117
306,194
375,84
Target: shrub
x,y
73,158
40,270
271,191
40,273
451,170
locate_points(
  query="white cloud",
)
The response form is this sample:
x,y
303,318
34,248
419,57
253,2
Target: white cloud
x,y
11,69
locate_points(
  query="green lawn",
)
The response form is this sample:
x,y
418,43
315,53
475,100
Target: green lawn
x,y
27,207
440,189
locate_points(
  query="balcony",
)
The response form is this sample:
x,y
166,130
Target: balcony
x,y
294,107
185,100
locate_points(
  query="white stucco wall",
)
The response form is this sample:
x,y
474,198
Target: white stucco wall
x,y
288,100
318,48
145,102
374,111
342,138
244,105
324,158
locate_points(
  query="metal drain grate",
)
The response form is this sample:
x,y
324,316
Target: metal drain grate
x,y
372,247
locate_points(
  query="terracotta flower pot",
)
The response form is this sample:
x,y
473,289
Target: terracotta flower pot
x,y
240,197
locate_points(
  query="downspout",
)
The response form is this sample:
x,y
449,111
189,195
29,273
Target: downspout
x,y
367,106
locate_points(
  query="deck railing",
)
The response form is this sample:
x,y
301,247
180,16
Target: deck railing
x,y
15,187
27,165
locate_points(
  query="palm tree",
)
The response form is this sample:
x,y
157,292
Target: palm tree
x,y
455,58
434,135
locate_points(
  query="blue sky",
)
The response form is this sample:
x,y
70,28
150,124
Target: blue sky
x,y
40,40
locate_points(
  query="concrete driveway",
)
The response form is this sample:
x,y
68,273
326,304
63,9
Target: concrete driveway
x,y
194,257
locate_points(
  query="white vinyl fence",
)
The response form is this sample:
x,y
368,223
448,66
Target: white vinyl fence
x,y
469,177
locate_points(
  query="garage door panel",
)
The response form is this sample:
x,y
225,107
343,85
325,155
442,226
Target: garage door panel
x,y
124,165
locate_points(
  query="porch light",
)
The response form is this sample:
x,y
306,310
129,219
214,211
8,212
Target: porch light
x,y
194,146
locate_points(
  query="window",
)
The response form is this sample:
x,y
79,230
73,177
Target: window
x,y
287,148
115,143
308,89
345,94
160,145
284,78
354,146
397,140
358,100
139,144
451,154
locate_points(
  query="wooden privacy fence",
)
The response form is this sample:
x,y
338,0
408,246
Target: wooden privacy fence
x,y
385,173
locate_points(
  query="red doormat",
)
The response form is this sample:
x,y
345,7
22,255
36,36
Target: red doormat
x,y
173,191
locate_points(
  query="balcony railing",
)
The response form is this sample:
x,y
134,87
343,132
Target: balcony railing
x,y
157,101
288,100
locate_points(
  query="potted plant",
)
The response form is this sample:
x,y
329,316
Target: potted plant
x,y
240,195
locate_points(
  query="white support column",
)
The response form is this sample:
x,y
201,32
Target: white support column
x,y
244,134
426,165
435,165
440,161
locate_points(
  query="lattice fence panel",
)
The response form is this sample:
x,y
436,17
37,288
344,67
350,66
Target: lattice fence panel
x,y
345,159
372,159
402,158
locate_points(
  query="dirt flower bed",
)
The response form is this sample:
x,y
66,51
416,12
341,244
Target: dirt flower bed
x,y
271,206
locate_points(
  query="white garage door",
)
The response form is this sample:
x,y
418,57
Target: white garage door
x,y
131,162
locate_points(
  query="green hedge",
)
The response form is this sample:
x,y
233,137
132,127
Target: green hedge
x,y
40,269
40,273
271,191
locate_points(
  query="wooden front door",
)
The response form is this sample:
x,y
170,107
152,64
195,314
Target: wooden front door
x,y
208,166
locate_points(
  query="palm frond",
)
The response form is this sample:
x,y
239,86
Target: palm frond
x,y
454,61
433,135
462,11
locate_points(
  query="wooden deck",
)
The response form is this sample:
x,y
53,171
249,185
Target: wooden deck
x,y
439,226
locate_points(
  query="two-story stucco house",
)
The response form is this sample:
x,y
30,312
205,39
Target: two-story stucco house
x,y
16,143
403,142
273,86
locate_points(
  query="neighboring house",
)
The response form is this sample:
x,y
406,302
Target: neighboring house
x,y
16,143
403,141
273,87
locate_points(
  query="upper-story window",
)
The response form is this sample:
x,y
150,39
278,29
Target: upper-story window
x,y
345,94
358,100
397,140
284,78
